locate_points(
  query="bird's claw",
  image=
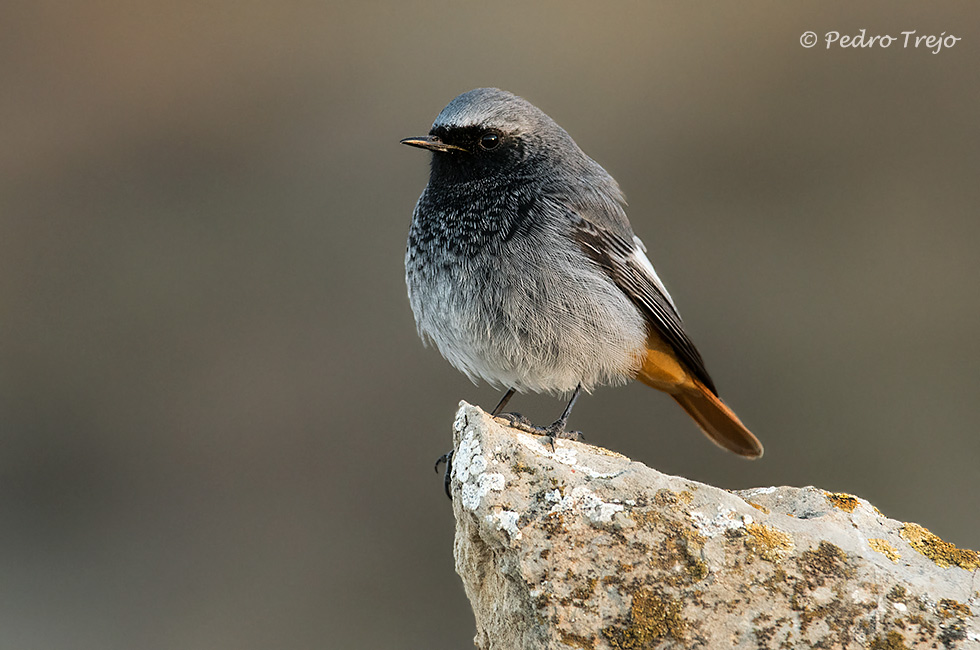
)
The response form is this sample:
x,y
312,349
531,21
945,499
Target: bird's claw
x,y
446,458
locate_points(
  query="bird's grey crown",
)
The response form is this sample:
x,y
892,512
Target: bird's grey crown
x,y
491,107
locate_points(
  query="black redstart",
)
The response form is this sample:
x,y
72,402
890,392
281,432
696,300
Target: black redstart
x,y
524,271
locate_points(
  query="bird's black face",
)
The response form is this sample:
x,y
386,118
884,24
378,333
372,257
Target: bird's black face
x,y
463,153
477,140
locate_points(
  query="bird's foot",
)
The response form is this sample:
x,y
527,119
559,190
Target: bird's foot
x,y
556,430
517,421
446,458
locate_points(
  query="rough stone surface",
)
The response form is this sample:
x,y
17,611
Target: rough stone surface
x,y
574,546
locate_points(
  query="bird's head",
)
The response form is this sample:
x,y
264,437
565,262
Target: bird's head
x,y
486,132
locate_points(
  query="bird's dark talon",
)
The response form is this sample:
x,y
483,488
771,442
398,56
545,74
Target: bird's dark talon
x,y
556,432
447,478
516,419
445,458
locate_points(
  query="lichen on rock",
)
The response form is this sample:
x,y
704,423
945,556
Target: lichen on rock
x,y
564,545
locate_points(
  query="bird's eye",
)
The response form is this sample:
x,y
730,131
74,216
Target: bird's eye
x,y
489,140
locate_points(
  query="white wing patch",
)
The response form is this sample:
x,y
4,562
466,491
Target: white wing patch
x,y
639,255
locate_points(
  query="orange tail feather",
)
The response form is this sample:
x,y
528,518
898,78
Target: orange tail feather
x,y
718,422
662,370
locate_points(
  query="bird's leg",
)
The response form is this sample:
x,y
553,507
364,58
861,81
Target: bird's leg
x,y
516,420
502,403
557,428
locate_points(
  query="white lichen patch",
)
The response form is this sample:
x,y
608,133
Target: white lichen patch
x,y
726,519
468,461
585,501
563,454
506,520
566,456
460,422
757,491
472,492
470,469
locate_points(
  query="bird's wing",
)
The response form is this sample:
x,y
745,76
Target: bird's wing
x,y
626,263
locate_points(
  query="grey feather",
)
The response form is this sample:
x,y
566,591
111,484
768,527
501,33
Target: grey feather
x,y
522,267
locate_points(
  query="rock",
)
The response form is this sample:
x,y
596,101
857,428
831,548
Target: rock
x,y
574,546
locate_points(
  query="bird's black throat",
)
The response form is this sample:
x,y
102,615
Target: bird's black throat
x,y
460,219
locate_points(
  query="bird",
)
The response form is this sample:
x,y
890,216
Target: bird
x,y
523,270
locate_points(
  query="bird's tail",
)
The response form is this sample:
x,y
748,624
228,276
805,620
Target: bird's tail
x,y
718,421
661,370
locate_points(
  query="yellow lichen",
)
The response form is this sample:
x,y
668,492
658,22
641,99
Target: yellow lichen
x,y
578,641
949,608
891,641
652,617
941,552
647,518
769,543
898,594
758,507
554,524
584,591
884,547
521,468
665,497
696,568
842,500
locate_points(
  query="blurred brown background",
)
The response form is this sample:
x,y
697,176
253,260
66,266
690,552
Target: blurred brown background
x,y
218,424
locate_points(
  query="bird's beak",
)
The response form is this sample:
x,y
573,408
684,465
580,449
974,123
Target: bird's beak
x,y
432,143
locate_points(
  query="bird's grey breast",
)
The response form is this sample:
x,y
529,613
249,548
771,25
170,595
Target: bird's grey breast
x,y
497,284
459,265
